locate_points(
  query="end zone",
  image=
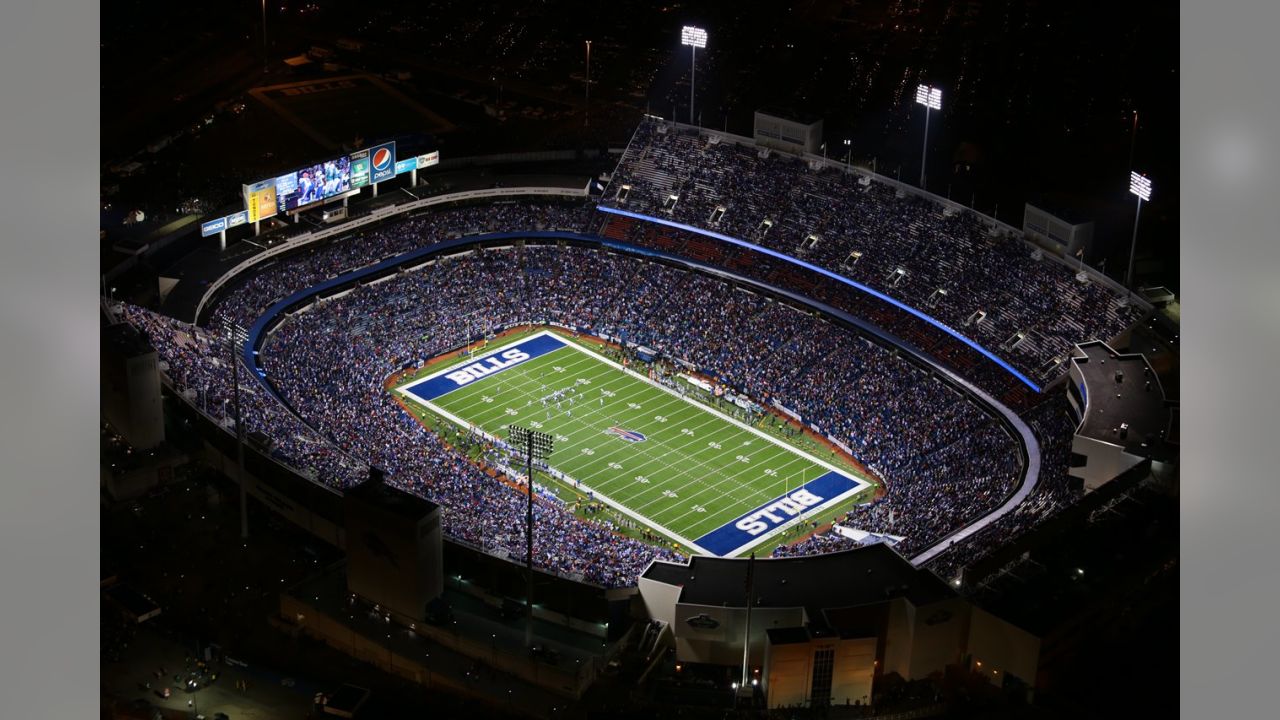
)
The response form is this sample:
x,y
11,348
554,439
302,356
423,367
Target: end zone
x,y
778,514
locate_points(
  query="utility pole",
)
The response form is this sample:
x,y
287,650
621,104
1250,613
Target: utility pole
x,y
539,445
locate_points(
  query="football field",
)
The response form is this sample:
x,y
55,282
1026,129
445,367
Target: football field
x,y
708,481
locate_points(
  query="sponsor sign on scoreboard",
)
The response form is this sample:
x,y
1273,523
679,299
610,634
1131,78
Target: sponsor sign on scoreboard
x,y
359,169
404,166
260,200
213,227
431,158
237,219
382,162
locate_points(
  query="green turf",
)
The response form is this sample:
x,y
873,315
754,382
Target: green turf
x,y
696,471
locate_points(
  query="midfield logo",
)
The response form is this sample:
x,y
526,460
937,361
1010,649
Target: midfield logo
x,y
488,366
628,435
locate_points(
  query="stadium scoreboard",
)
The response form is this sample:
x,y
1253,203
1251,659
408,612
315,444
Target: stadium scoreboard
x,y
313,184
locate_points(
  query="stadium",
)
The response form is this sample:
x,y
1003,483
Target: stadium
x,y
756,427
708,395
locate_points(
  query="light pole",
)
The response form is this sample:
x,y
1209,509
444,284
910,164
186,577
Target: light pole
x,y
1133,138
586,113
264,36
236,337
1139,185
931,99
694,37
535,444
848,154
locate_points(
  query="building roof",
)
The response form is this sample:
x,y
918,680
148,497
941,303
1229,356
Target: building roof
x,y
348,698
392,500
865,575
787,636
126,340
795,115
1110,401
1062,208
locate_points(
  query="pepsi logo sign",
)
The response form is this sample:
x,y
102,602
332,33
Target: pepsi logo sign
x,y
381,159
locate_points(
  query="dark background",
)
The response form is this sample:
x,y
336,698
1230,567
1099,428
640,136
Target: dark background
x,y
1038,97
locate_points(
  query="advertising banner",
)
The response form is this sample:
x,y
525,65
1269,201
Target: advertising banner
x,y
382,162
213,227
359,169
260,200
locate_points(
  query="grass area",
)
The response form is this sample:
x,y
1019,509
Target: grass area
x,y
657,459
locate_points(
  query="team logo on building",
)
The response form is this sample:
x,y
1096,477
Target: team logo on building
x,y
703,621
625,434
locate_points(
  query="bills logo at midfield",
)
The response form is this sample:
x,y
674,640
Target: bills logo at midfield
x,y
625,434
488,366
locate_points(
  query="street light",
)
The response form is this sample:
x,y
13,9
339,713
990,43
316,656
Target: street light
x,y
535,444
694,37
931,99
1139,185
236,337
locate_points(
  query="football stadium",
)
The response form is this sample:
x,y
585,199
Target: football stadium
x,y
721,418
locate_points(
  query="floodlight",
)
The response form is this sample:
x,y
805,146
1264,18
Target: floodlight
x,y
930,97
693,36
1140,185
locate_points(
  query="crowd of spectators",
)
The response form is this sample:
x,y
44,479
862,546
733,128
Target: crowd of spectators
x,y
1054,428
248,298
816,544
945,460
905,245
198,364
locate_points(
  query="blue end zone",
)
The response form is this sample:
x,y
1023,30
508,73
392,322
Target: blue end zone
x,y
747,529
452,378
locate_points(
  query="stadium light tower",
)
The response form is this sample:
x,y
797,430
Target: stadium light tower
x,y
931,99
535,445
236,337
694,37
586,113
1139,185
264,36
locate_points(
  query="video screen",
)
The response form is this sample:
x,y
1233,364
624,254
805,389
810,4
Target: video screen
x,y
313,184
